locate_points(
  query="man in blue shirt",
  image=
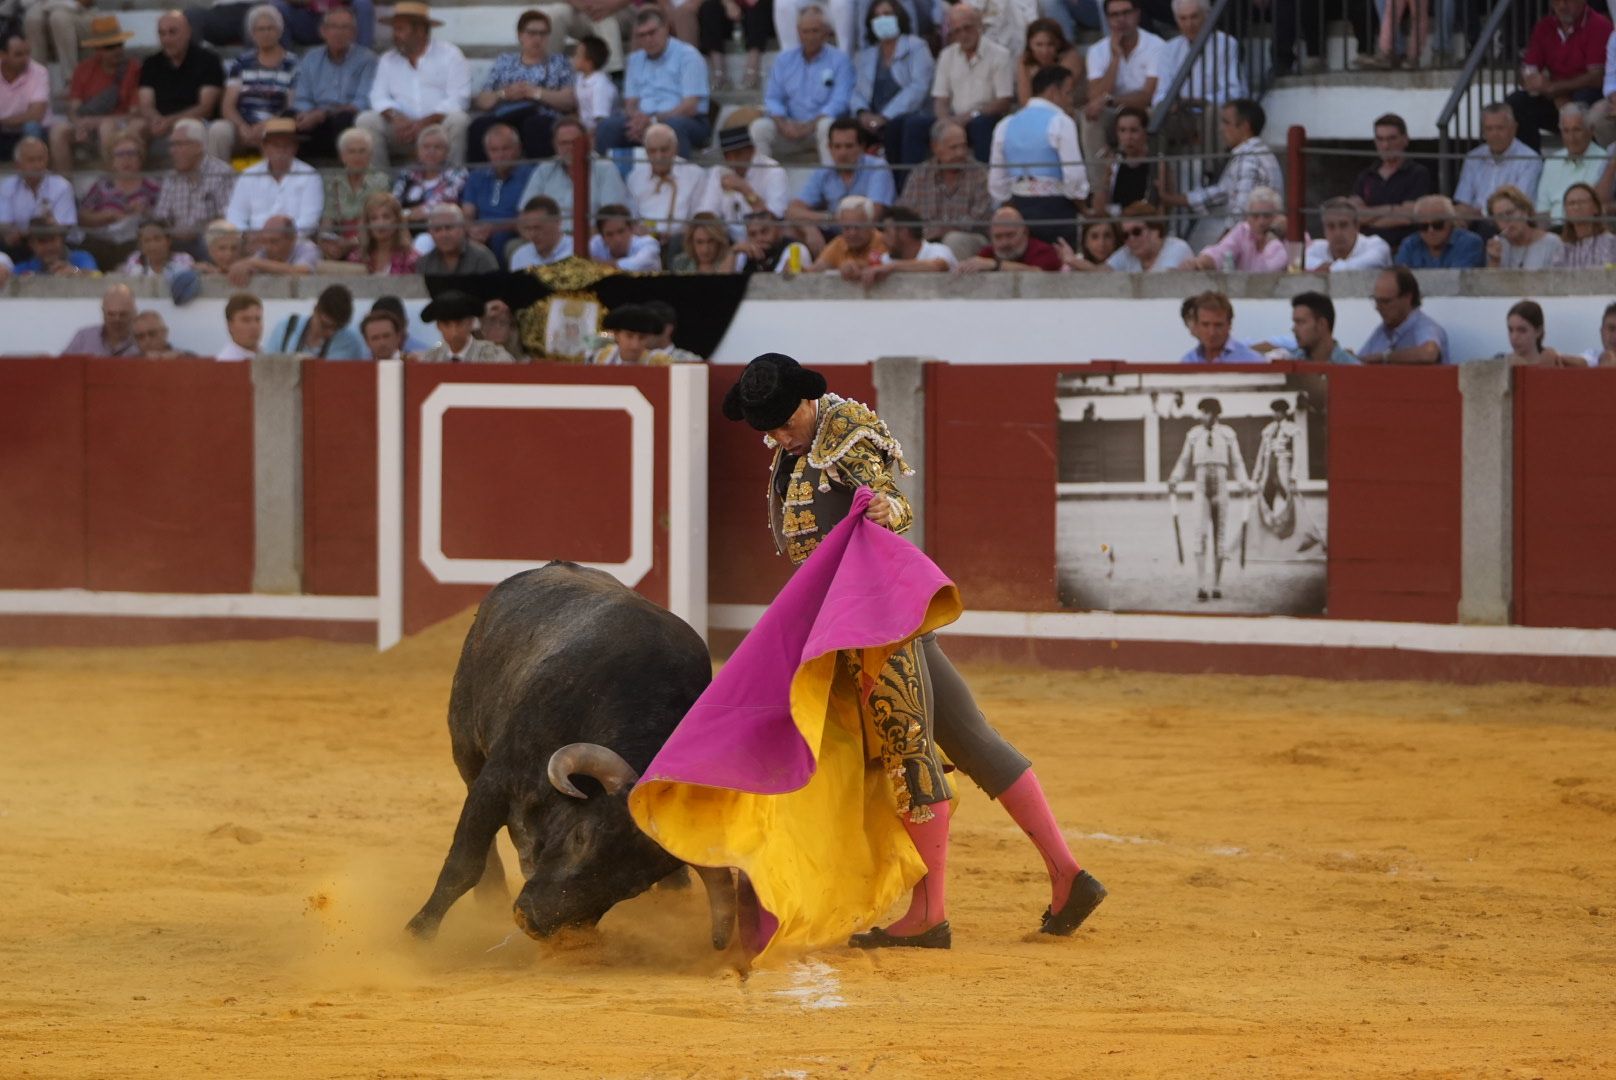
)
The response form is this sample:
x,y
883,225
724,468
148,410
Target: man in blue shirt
x,y
1211,325
809,87
851,172
332,84
1406,335
1438,242
51,253
493,195
665,82
325,334
1500,159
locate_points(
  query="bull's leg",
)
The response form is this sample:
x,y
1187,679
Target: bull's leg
x,y
480,818
491,888
720,882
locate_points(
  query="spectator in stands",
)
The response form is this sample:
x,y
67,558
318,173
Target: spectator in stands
x,y
715,18
1146,247
1406,334
281,184
665,82
666,188
453,252
1586,242
1036,165
1214,81
809,87
49,253
25,110
181,81
1313,323
51,26
112,209
1442,242
114,334
591,86
843,16
413,346
1605,355
257,87
606,20
383,332
456,314
103,98
493,194
544,240
617,244
527,90
1602,114
1564,61
1072,15
33,192
949,192
346,191
851,172
1521,243
419,83
154,256
974,86
745,183
1391,21
1524,324
1097,240
768,249
908,250
707,248
323,334
1005,22
1500,159
1251,165
280,251
196,190
1579,160
498,325
332,85
244,321
1255,245
1123,70
1010,247
893,75
1212,327
151,336
384,241
1344,247
222,242
432,181
858,242
1385,193
1133,173
554,178
1046,46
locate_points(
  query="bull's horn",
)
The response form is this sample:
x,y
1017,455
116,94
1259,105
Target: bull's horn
x,y
593,760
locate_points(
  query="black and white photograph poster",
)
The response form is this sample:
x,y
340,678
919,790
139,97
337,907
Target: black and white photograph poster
x,y
1192,492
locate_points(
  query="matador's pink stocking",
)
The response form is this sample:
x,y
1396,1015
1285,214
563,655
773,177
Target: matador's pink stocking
x,y
928,903
1025,802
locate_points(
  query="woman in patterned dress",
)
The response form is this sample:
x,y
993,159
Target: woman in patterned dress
x,y
528,89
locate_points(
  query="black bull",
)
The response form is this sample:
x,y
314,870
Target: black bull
x,y
568,684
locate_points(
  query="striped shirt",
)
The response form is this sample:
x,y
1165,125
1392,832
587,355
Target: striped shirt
x,y
265,91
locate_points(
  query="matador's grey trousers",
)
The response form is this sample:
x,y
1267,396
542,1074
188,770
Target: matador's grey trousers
x,y
963,733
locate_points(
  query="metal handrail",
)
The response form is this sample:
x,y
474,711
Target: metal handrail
x,y
1462,87
1158,115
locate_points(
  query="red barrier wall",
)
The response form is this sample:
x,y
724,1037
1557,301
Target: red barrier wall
x,y
339,478
1565,498
42,528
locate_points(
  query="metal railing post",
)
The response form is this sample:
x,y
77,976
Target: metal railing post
x,y
582,166
1296,185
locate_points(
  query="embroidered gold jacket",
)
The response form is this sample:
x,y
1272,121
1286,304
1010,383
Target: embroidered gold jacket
x,y
808,496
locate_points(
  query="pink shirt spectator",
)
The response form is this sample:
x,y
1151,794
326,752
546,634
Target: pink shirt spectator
x,y
1269,259
31,86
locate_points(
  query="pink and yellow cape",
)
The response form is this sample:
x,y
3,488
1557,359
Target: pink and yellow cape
x,y
768,771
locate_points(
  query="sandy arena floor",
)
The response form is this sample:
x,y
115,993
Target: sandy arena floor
x,y
209,852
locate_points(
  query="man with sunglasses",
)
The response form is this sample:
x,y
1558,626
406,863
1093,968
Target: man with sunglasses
x,y
1406,335
1441,243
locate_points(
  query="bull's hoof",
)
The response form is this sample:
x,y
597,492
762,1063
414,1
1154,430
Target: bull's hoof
x,y
422,928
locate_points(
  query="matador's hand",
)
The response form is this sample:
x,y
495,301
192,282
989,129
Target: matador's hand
x,y
880,510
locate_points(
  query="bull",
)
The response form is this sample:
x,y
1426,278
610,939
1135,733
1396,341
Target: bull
x,y
568,684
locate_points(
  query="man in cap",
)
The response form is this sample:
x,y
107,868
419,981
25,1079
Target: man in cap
x,y
634,331
419,82
325,333
456,314
280,184
1211,460
825,447
747,182
103,96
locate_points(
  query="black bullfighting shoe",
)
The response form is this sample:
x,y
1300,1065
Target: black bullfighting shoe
x,y
1085,897
938,937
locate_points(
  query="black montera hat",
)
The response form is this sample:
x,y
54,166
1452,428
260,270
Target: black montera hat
x,y
632,317
452,305
770,389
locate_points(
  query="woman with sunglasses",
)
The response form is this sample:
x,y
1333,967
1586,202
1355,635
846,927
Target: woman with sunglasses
x,y
1146,247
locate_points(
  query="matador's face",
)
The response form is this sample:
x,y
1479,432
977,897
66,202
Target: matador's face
x,y
796,435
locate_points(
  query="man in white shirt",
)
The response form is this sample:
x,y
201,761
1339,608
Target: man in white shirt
x,y
1343,246
545,241
1579,160
665,187
1036,165
1005,21
1213,80
244,319
974,84
419,82
908,251
280,184
746,183
1122,70
33,191
616,243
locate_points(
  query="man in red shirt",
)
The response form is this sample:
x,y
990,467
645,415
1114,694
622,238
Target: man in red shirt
x,y
1012,247
101,97
1564,62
